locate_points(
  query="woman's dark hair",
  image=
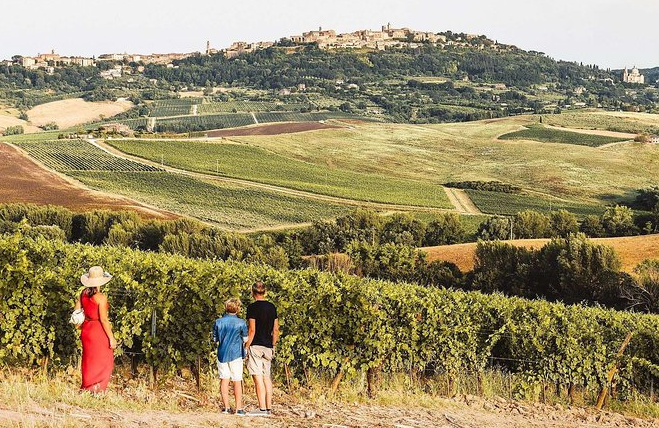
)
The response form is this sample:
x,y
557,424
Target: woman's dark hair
x,y
90,291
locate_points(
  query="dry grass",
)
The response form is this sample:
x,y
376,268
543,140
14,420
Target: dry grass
x,y
632,250
8,118
72,112
31,399
471,151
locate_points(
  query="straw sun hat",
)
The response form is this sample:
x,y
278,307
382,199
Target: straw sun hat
x,y
95,277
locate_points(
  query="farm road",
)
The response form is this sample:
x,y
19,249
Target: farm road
x,y
461,201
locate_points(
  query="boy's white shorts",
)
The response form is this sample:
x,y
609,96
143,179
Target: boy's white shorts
x,y
232,370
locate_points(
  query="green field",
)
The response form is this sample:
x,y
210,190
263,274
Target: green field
x,y
172,110
548,135
606,120
259,165
39,136
471,151
203,123
247,106
511,204
229,206
140,123
77,155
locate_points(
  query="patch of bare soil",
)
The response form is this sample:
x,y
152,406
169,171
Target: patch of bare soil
x,y
631,249
25,181
468,412
272,129
76,111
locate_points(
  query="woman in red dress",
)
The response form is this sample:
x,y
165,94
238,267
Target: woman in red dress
x,y
98,341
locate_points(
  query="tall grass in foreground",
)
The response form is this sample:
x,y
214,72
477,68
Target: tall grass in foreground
x,y
27,390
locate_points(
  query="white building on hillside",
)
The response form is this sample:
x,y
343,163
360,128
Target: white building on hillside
x,y
634,76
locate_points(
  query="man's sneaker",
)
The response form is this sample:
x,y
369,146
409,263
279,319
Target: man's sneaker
x,y
240,412
258,412
269,411
226,411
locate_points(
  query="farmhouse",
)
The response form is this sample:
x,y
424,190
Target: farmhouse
x,y
116,128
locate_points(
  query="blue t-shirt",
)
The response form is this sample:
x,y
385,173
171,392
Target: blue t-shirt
x,y
229,332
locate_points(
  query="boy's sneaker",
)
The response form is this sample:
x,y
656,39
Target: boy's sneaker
x,y
258,412
240,412
226,411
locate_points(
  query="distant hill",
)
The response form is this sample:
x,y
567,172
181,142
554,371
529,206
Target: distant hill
x,y
651,74
463,79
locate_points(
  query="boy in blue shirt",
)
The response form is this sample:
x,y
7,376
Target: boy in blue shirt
x,y
230,332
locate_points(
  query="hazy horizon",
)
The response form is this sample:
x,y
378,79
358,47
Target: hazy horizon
x,y
605,32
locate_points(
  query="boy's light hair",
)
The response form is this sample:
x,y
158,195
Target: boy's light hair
x,y
258,288
232,305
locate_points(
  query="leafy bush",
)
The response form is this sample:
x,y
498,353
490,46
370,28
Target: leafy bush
x,y
647,199
13,130
494,228
491,186
446,229
619,221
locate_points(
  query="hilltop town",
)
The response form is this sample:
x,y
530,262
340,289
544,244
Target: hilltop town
x,y
386,38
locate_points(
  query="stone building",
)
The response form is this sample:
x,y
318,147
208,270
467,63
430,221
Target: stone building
x,y
633,77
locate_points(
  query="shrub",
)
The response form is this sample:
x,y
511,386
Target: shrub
x,y
491,186
530,225
592,226
13,130
619,221
494,228
446,229
562,223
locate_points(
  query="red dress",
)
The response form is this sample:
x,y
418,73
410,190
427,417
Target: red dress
x,y
97,356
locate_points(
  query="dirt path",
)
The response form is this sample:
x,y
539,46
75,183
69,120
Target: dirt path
x,y
24,180
461,201
469,412
270,187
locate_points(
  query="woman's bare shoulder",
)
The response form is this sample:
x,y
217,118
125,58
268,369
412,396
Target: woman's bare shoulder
x,y
100,298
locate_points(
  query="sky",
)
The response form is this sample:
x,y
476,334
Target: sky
x,y
611,34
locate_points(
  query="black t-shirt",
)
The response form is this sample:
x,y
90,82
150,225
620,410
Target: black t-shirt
x,y
264,313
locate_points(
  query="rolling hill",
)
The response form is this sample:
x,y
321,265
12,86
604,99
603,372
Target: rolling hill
x,y
632,250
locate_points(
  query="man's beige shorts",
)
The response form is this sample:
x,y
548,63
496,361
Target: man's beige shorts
x,y
259,360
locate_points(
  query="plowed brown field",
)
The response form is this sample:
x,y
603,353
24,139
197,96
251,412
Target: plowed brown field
x,y
271,129
22,180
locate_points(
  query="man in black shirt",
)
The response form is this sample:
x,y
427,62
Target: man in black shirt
x,y
263,333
